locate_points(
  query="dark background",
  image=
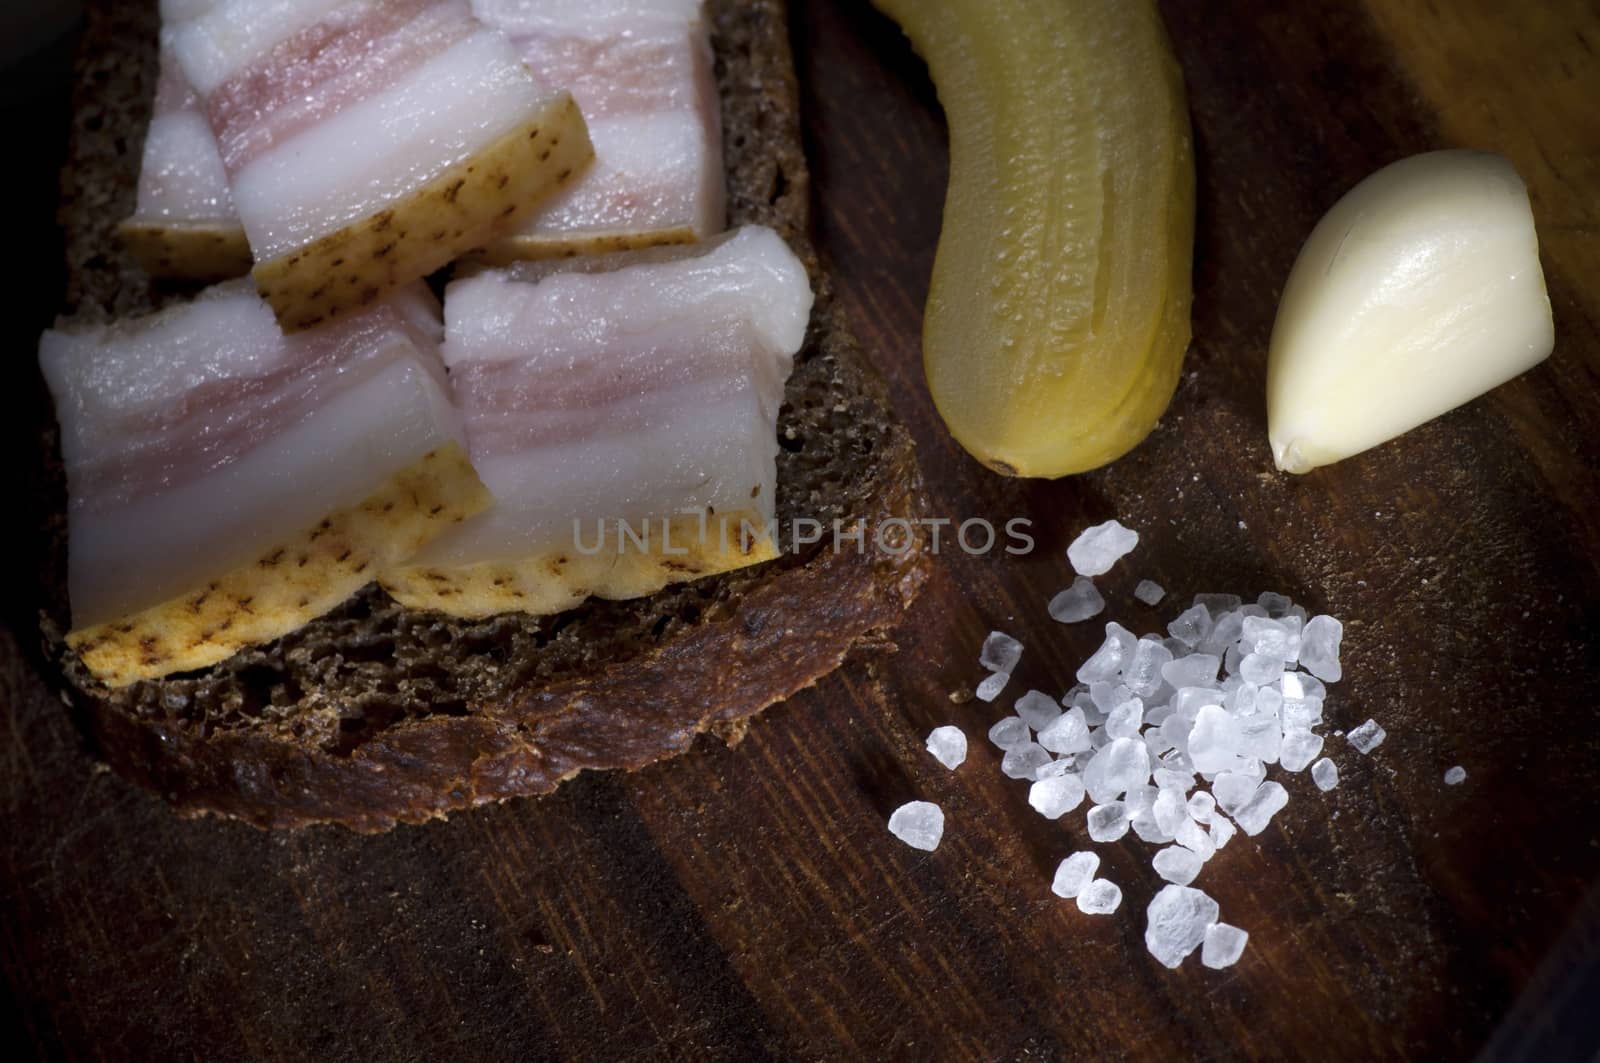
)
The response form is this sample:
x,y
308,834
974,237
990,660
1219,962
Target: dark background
x,y
747,902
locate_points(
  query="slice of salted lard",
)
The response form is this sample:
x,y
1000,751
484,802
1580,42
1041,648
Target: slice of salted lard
x,y
641,71
623,412
227,483
369,142
184,224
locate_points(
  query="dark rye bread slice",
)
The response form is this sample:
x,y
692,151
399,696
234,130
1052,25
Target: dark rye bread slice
x,y
376,714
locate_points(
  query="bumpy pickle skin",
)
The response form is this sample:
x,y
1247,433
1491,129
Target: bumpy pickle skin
x,y
1058,314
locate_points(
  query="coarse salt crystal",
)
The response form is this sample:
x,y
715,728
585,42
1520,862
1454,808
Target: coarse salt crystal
x,y
1223,946
1010,733
1233,789
1000,653
992,684
1055,795
1149,592
1069,733
1367,737
1074,873
1177,865
1120,765
1300,748
1222,830
1100,897
920,824
1254,815
1024,761
1455,776
1191,626
1108,822
1098,548
1319,648
1077,603
1124,720
1325,773
1142,674
1176,923
948,745
1038,709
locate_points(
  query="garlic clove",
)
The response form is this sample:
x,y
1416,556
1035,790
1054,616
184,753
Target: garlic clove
x,y
1419,291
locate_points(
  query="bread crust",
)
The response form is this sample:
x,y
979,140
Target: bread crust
x,y
378,714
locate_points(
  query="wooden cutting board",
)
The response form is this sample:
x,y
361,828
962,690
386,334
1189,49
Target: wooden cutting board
x,y
748,902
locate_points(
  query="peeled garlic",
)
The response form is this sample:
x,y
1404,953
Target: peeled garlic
x,y
1420,290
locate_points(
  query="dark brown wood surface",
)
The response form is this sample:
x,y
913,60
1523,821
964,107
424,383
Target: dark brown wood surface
x,y
748,902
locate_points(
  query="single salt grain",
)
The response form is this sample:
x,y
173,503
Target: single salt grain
x,y
1195,670
1170,811
1301,685
1325,773
991,686
1455,776
920,824
1177,865
1201,807
1077,603
1254,815
1194,838
1233,790
1149,592
1143,674
1319,648
1097,549
1191,626
1222,831
1069,733
1223,946
1000,653
1100,897
1215,742
1217,604
1275,604
1107,696
1124,720
948,746
1301,713
1055,795
1367,737
1176,923
1038,709
1261,669
1120,765
1300,748
1024,761
1105,664
1108,822
1074,873
1010,733
1170,779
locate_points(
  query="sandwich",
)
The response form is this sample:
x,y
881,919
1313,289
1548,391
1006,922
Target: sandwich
x,y
602,420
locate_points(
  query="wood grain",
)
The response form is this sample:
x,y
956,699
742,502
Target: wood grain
x,y
747,903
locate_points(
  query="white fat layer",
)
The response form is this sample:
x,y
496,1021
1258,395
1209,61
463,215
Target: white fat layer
x,y
535,16
375,152
750,277
181,178
651,171
160,546
100,377
684,452
740,307
215,41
